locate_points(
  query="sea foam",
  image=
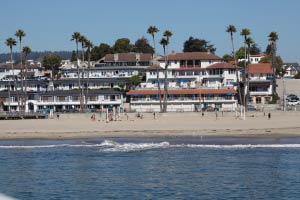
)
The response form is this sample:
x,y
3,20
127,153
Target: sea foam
x,y
113,146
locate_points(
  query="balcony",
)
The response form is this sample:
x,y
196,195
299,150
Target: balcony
x,y
189,66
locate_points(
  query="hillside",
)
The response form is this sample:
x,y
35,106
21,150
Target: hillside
x,y
36,55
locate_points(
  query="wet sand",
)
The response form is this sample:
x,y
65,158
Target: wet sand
x,y
68,126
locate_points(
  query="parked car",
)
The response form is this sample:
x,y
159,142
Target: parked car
x,y
292,97
251,108
293,102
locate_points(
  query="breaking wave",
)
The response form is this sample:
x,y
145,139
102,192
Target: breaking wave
x,y
113,146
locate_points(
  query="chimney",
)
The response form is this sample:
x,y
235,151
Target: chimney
x,y
116,57
138,57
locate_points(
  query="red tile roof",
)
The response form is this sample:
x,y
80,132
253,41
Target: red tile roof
x,y
184,91
192,56
222,65
127,57
260,68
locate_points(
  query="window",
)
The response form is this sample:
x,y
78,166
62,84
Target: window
x,y
229,82
231,71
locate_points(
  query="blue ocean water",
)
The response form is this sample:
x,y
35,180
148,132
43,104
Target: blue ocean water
x,y
151,168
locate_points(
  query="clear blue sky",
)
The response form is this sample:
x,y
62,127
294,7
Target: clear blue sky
x,y
50,24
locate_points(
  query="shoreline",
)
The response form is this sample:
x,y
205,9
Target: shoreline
x,y
73,126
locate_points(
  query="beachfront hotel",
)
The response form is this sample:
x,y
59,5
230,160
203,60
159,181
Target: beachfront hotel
x,y
101,86
196,81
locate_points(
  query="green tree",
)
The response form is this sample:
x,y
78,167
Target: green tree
x,y
273,37
227,58
142,46
52,62
100,51
73,56
268,49
122,45
254,49
135,80
240,53
10,42
198,45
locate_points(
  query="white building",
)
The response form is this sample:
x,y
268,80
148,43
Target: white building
x,y
260,83
196,80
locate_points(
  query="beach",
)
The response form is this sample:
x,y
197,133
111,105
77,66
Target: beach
x,y
68,126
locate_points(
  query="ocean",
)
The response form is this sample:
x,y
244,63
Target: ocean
x,y
151,168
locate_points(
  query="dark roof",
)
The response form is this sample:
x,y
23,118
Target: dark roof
x,y
192,56
127,57
293,66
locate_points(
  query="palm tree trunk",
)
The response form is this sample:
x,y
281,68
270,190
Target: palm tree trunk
x,y
236,70
165,83
26,84
88,80
157,76
274,68
79,82
15,80
22,76
159,91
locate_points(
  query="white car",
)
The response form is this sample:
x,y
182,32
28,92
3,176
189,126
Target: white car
x,y
293,102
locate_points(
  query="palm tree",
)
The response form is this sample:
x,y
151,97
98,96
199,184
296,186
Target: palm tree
x,y
10,42
231,29
273,37
245,32
167,34
26,51
82,39
164,42
152,30
20,34
89,45
76,36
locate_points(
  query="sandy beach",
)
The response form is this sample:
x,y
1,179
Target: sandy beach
x,y
281,124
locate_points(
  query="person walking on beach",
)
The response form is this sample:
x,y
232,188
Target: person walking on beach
x,y
269,116
153,115
216,115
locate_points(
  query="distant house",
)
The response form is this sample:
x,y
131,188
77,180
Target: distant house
x,y
254,59
291,69
260,83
